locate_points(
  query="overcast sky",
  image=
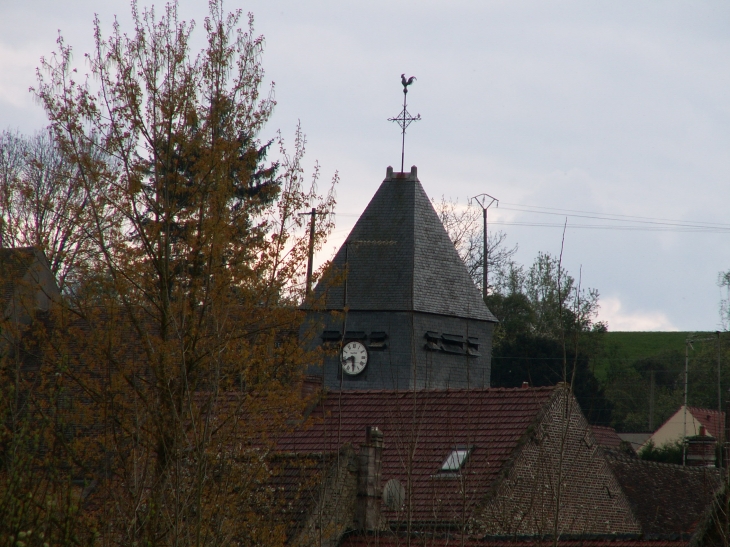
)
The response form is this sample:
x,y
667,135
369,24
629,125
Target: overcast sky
x,y
567,107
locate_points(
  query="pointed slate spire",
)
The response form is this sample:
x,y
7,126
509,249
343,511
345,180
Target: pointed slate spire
x,y
398,257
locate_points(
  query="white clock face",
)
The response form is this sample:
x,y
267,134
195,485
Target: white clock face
x,y
354,358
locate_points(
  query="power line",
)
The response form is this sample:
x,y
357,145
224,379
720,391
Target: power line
x,y
608,215
620,218
625,228
629,222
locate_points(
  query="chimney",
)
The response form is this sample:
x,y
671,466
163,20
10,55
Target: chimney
x,y
367,513
701,449
525,385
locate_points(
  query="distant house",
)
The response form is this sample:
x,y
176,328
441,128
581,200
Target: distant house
x,y
27,288
27,284
674,429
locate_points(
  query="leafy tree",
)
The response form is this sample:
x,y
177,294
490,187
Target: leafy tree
x,y
547,331
464,226
723,281
42,205
668,453
180,339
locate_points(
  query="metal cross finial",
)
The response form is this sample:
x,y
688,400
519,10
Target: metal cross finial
x,y
404,119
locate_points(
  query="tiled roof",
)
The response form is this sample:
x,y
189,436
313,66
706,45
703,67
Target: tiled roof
x,y
713,420
666,498
400,258
606,436
420,431
393,541
297,479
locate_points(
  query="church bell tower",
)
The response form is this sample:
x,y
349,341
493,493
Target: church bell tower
x,y
397,308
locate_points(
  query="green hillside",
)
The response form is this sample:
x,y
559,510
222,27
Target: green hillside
x,y
628,361
634,345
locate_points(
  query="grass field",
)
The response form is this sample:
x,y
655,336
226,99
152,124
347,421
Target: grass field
x,y
637,345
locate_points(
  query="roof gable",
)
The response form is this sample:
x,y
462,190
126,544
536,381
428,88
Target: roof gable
x,y
398,257
673,429
713,420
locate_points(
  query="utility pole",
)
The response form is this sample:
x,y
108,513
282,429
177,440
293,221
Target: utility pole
x,y
310,257
719,389
721,444
482,200
687,345
651,401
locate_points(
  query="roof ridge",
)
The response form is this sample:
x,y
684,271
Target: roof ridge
x,y
651,463
545,389
712,410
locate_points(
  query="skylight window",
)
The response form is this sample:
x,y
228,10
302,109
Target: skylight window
x,y
455,460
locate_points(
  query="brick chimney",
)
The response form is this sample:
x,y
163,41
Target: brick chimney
x,y
367,512
701,449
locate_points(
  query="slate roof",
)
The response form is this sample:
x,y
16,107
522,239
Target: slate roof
x,y
666,498
713,420
401,259
420,430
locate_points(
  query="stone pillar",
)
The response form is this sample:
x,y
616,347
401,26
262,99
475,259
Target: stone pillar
x,y
367,513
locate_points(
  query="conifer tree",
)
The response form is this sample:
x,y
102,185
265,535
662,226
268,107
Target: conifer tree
x,y
181,341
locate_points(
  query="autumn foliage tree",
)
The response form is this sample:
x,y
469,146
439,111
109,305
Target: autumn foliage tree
x,y
178,345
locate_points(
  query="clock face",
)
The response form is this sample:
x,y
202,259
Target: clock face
x,y
354,358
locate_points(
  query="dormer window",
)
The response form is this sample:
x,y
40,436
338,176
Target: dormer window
x,y
455,460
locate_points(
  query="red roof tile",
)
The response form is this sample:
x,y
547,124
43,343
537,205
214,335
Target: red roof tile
x,y
420,430
393,541
606,436
713,420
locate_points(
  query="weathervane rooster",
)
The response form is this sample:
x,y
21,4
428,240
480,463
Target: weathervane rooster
x,y
404,119
407,82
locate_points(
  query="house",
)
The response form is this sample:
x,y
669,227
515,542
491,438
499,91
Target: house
x,y
481,462
27,284
489,467
687,424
